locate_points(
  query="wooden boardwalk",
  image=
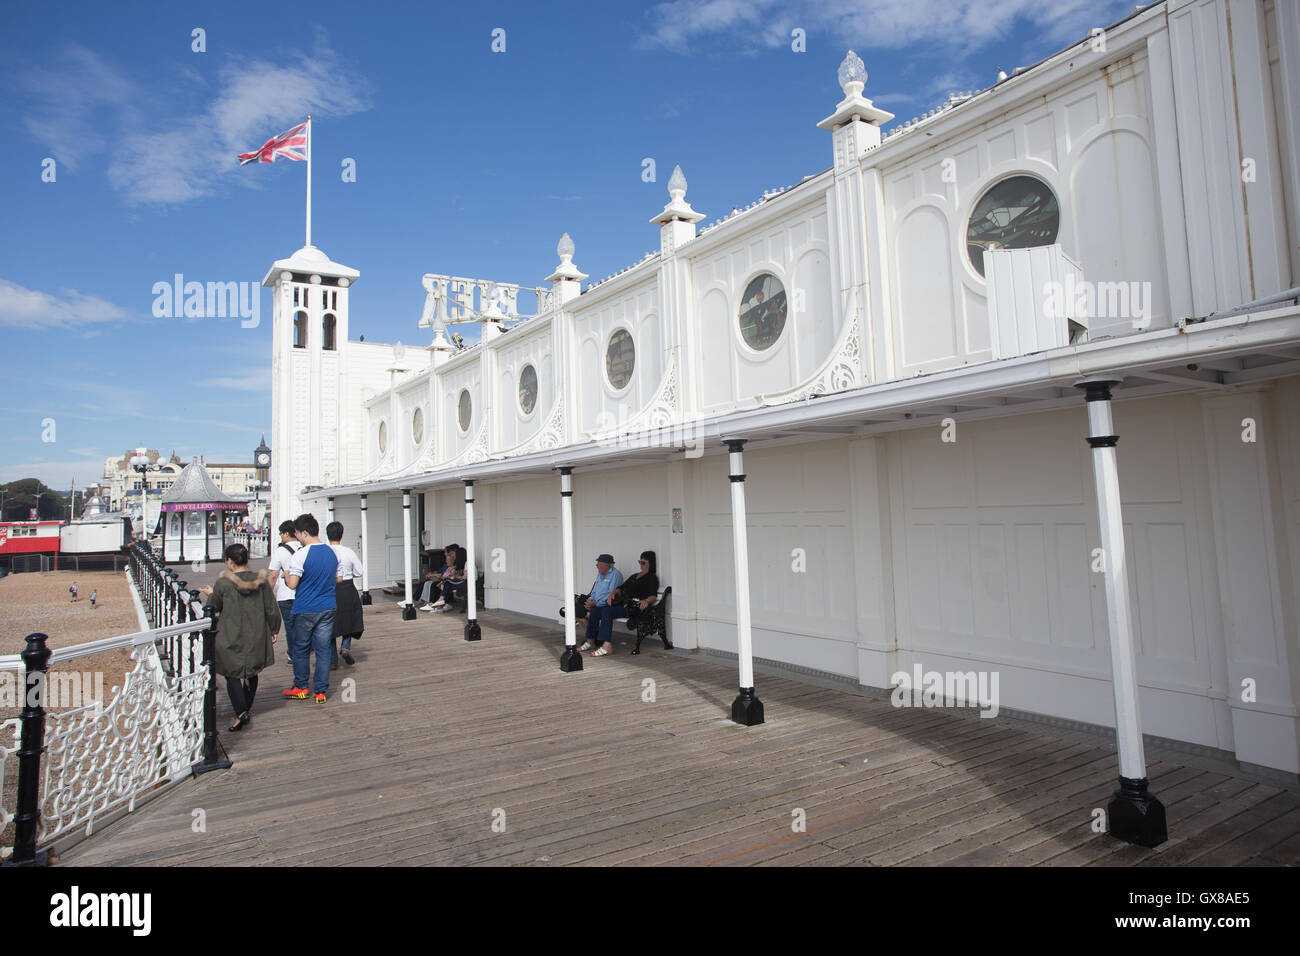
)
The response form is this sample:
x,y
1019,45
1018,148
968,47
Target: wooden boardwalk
x,y
445,739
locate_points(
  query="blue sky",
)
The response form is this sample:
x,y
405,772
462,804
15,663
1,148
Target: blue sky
x,y
468,161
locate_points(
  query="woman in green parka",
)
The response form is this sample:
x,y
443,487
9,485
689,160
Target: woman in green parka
x,y
247,626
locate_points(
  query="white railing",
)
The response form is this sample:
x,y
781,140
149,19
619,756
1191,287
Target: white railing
x,y
255,542
99,758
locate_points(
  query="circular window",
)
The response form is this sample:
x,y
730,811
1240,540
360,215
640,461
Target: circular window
x,y
464,409
528,390
762,311
417,425
383,437
1017,213
620,358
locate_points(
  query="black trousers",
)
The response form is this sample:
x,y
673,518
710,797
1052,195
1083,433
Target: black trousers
x,y
241,693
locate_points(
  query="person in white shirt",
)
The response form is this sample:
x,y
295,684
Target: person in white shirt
x,y
276,572
348,623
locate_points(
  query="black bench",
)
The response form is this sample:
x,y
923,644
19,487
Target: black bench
x,y
461,601
652,622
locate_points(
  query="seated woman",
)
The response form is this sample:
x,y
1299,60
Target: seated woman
x,y
641,590
453,582
433,580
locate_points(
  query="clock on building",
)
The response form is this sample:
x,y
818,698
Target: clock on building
x,y
262,458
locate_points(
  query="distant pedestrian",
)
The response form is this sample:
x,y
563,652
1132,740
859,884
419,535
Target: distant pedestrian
x,y
73,590
93,596
247,626
348,622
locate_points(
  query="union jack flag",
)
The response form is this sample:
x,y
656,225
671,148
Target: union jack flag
x,y
289,145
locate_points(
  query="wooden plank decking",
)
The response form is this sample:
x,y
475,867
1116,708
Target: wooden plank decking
x,y
444,733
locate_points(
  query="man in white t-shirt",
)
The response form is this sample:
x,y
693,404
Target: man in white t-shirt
x,y
276,571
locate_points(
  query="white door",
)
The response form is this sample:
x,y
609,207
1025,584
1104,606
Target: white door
x,y
395,568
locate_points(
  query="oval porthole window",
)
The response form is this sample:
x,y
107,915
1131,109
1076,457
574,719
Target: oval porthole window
x,y
1017,213
464,409
383,437
528,390
417,425
762,311
620,358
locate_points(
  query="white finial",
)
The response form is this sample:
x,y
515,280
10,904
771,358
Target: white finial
x,y
565,249
677,185
566,269
1002,74
398,350
852,75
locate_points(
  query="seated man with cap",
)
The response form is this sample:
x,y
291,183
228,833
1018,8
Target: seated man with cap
x,y
601,607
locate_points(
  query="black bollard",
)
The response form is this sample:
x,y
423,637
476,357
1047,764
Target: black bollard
x,y
31,745
210,760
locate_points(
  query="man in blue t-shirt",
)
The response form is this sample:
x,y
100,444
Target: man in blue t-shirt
x,y
311,574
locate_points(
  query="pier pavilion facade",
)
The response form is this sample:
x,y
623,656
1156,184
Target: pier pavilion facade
x,y
891,353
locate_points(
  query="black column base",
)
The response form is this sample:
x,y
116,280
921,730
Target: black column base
x,y
570,660
1135,815
42,859
472,631
203,766
365,598
747,709
408,612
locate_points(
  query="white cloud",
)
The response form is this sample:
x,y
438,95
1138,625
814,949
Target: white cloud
x,y
64,97
22,308
879,24
259,381
156,156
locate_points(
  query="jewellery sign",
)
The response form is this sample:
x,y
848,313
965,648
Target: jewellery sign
x,y
205,506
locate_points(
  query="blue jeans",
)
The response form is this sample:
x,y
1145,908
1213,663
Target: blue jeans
x,y
347,646
313,632
286,616
600,619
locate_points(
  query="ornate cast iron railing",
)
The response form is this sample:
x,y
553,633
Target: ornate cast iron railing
x,y
82,767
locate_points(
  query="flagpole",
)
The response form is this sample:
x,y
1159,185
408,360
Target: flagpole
x,y
309,179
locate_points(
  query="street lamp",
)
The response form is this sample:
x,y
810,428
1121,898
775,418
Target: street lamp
x,y
256,487
140,464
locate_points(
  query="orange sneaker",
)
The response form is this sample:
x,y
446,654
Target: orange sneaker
x,y
297,693
320,698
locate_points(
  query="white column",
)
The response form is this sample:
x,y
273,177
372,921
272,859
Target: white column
x,y
570,660
408,606
472,630
1134,815
365,553
746,709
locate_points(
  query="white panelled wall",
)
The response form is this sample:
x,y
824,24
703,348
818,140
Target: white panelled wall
x,y
868,555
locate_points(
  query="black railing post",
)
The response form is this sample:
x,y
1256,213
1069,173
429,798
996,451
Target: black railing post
x,y
31,746
210,760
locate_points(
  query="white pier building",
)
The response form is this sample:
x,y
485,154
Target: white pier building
x,y
898,342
